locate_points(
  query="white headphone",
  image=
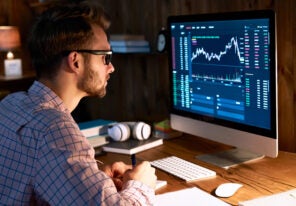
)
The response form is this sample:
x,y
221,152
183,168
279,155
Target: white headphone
x,y
122,131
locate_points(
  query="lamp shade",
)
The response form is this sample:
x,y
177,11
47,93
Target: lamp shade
x,y
9,38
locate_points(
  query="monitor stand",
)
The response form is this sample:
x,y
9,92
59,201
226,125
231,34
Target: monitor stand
x,y
229,158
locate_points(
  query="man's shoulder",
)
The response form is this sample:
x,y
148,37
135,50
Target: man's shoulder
x,y
51,115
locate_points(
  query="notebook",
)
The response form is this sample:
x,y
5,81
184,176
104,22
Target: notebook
x,y
132,146
160,184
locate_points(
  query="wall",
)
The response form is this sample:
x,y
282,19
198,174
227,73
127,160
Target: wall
x,y
138,88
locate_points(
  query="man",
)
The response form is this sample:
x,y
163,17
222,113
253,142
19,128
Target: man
x,y
44,158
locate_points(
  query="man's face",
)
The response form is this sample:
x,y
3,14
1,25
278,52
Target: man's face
x,y
96,72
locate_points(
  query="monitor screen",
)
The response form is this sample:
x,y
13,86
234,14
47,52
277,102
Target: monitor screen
x,y
223,76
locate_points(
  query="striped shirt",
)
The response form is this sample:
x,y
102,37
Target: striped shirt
x,y
45,159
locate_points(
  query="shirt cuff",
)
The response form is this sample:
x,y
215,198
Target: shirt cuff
x,y
143,193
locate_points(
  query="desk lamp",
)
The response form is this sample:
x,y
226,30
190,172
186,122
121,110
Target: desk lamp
x,y
10,44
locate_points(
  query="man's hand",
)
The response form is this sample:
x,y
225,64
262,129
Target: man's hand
x,y
121,173
116,171
143,172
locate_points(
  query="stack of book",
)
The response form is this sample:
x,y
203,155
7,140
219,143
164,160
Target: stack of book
x,y
163,130
96,132
124,43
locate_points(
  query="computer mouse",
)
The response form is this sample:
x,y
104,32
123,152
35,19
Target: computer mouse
x,y
227,189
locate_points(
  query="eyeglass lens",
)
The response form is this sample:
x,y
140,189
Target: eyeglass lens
x,y
108,58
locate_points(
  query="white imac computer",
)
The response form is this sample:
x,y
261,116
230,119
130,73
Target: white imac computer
x,y
223,82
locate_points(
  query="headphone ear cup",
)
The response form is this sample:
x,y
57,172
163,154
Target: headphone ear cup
x,y
141,131
119,132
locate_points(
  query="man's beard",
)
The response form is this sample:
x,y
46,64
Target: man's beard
x,y
88,83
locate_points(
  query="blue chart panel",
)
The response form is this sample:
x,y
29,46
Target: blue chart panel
x,y
217,58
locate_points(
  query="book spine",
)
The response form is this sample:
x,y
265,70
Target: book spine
x,y
95,127
97,141
131,43
94,131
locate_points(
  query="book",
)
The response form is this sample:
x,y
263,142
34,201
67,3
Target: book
x,y
163,130
95,127
131,49
96,132
164,125
132,146
129,43
98,140
168,134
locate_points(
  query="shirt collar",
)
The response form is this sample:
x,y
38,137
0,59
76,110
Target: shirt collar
x,y
46,96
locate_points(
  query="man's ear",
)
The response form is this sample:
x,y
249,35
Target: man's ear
x,y
74,61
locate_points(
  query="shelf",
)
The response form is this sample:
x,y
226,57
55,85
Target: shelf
x,y
26,76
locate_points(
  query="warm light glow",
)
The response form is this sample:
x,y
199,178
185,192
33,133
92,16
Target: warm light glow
x,y
10,55
9,38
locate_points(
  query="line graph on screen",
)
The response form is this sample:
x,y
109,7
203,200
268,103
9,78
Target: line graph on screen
x,y
224,55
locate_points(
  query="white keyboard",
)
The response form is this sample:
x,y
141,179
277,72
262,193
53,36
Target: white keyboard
x,y
182,168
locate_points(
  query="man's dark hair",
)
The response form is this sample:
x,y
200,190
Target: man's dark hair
x,y
64,26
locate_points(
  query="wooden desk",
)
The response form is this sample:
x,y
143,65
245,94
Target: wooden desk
x,y
263,177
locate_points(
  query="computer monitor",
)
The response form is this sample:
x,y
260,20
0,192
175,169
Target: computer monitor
x,y
223,81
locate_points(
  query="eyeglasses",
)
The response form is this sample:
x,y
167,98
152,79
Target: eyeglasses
x,y
107,54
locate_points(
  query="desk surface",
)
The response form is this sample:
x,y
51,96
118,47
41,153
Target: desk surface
x,y
261,177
